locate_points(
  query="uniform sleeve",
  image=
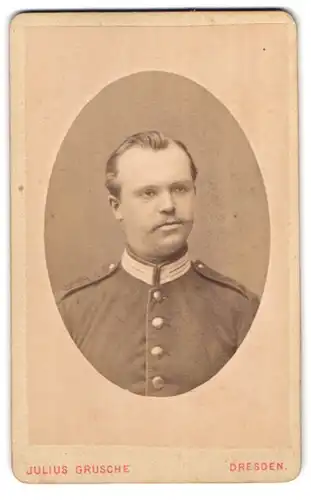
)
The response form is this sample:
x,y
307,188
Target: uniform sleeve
x,y
247,309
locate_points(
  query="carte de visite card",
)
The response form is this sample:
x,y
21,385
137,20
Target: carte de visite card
x,y
155,258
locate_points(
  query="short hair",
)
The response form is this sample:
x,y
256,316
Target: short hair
x,y
151,139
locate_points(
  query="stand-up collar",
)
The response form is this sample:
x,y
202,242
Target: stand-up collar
x,y
155,274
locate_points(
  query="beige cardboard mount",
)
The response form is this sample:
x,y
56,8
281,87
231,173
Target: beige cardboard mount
x,y
70,424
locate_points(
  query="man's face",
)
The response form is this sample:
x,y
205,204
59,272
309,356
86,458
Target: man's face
x,y
157,200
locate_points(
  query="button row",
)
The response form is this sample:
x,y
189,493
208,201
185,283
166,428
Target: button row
x,y
157,351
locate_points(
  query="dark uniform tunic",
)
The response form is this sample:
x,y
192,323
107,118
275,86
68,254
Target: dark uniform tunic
x,y
157,330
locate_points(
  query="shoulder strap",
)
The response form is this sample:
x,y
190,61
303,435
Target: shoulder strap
x,y
219,278
85,281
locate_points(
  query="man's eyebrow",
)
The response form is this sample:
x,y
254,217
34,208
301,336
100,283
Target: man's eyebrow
x,y
146,186
159,186
182,181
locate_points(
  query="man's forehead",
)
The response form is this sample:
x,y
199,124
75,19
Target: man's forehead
x,y
159,163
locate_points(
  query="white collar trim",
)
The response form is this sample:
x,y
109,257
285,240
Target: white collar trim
x,y
153,274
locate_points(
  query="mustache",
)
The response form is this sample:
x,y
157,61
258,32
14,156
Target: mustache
x,y
168,222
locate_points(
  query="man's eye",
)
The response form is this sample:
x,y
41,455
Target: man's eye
x,y
149,193
179,189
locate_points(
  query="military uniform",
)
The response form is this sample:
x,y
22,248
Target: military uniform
x,y
157,330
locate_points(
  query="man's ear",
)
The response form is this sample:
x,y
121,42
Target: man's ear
x,y
115,204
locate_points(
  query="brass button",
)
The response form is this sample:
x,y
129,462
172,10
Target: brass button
x,y
157,295
157,322
158,382
111,267
156,350
200,265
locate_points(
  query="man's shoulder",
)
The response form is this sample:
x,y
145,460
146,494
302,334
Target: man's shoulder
x,y
222,282
87,281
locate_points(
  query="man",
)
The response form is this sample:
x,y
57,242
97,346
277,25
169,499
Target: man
x,y
156,323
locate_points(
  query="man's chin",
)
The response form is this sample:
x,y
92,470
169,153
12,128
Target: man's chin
x,y
169,248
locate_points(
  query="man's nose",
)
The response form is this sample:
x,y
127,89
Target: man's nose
x,y
167,204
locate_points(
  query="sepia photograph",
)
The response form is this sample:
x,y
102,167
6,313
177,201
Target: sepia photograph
x,y
155,256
